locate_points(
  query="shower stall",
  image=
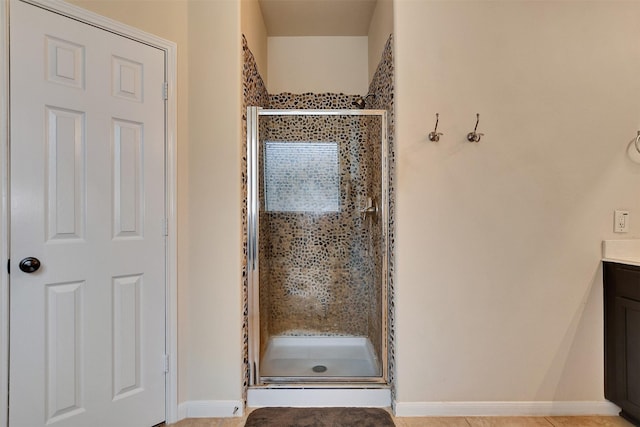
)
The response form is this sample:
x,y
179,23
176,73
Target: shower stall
x,y
317,218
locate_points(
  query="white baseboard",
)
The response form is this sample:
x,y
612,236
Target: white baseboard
x,y
319,397
210,409
380,398
486,409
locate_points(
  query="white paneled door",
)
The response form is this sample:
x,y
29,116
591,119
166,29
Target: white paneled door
x,y
87,332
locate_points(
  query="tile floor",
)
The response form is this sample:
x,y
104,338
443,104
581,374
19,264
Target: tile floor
x,y
449,422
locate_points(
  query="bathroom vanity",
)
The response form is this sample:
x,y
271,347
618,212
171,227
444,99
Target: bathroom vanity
x,y
622,335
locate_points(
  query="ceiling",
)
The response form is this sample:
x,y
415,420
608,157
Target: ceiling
x,y
290,18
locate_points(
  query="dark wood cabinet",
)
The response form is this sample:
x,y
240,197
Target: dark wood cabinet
x,y
622,338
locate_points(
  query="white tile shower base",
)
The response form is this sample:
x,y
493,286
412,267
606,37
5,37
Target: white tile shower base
x,y
332,357
295,357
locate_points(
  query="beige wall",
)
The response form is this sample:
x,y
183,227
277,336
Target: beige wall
x,y
209,250
498,278
317,64
253,28
379,30
214,303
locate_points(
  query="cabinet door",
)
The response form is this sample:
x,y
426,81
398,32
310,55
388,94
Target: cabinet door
x,y
627,343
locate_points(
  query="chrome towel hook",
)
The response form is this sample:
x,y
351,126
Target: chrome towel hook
x,y
435,135
474,136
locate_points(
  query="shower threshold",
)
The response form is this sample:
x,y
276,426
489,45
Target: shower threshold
x,y
315,359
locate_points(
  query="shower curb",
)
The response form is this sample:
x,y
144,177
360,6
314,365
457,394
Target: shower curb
x,y
258,397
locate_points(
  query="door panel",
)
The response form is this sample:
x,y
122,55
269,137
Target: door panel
x,y
87,199
128,178
126,335
65,173
63,353
65,62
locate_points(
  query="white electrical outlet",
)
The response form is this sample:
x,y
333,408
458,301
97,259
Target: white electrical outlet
x,y
621,221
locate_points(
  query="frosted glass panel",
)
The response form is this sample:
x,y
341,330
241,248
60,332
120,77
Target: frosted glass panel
x,y
301,177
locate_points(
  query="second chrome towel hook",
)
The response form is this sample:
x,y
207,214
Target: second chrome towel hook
x,y
474,136
435,135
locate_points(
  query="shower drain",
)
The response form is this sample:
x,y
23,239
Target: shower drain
x,y
319,368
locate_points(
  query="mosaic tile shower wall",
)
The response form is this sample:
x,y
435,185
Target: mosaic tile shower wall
x,y
320,267
255,94
382,86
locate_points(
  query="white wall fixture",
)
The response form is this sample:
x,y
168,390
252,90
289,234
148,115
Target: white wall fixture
x,y
620,221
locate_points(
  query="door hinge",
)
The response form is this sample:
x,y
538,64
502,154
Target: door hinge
x,y
165,227
166,363
9,266
165,91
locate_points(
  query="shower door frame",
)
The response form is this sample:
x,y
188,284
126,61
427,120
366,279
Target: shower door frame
x,y
253,210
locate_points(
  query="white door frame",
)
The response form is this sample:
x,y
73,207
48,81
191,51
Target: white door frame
x,y
171,343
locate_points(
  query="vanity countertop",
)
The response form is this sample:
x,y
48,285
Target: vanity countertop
x,y
625,251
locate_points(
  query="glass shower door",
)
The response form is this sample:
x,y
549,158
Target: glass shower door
x,y
317,216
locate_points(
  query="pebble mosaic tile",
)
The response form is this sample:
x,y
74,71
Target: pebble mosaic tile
x,y
318,274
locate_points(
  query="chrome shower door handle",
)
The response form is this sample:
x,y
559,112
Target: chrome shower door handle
x,y
370,211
